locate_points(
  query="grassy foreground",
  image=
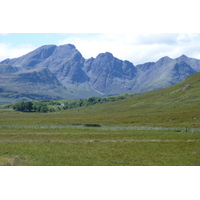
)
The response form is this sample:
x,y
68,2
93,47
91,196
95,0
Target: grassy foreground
x,y
102,146
152,129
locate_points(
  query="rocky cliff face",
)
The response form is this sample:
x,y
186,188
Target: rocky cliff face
x,y
163,73
194,63
36,76
6,69
106,71
64,72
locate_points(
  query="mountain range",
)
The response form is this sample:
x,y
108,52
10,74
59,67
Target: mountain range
x,y
61,72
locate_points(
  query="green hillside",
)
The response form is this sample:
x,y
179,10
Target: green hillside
x,y
148,129
177,105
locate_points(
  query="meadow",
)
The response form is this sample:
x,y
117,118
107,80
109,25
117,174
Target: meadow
x,y
157,128
35,139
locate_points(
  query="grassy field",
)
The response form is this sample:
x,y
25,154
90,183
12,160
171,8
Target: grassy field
x,y
106,145
152,129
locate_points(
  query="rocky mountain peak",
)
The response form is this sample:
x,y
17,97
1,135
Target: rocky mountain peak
x,y
33,58
64,52
106,55
164,60
183,56
63,66
194,63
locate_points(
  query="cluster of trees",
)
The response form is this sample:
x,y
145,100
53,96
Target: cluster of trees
x,y
30,106
52,106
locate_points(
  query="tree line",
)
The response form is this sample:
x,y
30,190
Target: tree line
x,y
68,104
51,106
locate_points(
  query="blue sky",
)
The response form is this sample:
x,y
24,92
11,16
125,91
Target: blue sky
x,y
36,39
135,47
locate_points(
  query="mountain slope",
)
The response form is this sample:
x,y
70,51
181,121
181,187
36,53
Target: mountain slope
x,y
161,74
66,64
175,106
101,76
6,69
194,63
33,84
31,59
108,74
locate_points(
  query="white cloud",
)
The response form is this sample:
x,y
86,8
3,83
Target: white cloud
x,y
9,51
137,47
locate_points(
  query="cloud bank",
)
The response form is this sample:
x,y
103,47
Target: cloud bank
x,y
135,47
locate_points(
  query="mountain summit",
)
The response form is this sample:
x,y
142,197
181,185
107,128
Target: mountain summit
x,y
56,72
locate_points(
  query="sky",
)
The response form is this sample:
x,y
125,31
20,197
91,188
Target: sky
x,y
135,47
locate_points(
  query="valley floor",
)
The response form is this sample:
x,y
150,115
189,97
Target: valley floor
x,y
78,145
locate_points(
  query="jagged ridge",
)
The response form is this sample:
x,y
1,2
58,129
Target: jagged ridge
x,y
64,72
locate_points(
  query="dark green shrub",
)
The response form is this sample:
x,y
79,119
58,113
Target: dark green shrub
x,y
92,125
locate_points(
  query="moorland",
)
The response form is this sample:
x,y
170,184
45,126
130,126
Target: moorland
x,y
156,128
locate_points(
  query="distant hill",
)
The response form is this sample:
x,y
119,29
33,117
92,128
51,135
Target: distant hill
x,y
60,72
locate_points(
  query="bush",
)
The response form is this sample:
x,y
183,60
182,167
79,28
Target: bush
x,y
44,109
93,125
23,106
30,106
51,110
